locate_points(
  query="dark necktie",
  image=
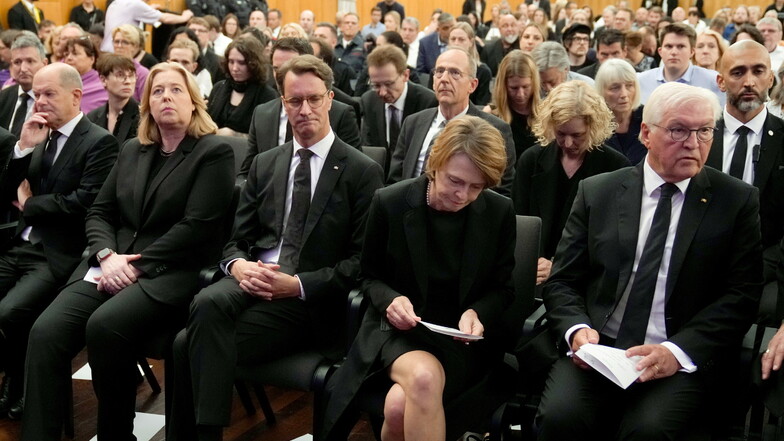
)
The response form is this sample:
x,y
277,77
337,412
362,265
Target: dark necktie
x,y
48,157
19,115
738,163
394,127
638,306
300,205
430,145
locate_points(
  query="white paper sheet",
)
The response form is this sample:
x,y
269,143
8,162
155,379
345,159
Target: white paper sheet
x,y
611,362
92,273
452,332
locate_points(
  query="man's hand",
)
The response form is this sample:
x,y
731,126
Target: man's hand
x,y
268,283
579,338
34,130
400,314
771,359
23,193
659,361
470,324
118,272
543,268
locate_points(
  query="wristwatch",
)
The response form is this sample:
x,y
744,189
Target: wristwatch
x,y
103,254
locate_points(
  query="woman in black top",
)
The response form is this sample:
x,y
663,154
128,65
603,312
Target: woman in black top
x,y
120,115
232,100
86,15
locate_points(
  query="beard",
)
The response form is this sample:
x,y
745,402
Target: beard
x,y
747,106
510,38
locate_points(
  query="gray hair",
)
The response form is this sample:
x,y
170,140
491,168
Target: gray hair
x,y
69,76
25,40
550,54
413,20
445,17
672,95
616,70
770,21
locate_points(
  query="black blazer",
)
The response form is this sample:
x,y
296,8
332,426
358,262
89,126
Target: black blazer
x,y
238,119
170,219
128,124
265,123
19,17
470,6
332,238
343,97
544,4
536,183
395,261
374,121
768,175
57,212
8,98
715,273
412,136
495,51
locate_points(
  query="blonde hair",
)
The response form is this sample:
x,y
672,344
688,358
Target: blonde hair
x,y
516,64
130,32
201,124
478,140
297,28
720,43
574,99
469,30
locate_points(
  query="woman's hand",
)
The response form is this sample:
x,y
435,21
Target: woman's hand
x,y
543,268
400,314
470,324
118,272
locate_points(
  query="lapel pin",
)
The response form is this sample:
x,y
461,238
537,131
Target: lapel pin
x,y
703,200
335,167
770,132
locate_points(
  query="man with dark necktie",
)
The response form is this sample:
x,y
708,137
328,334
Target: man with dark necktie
x,y
16,102
664,261
290,264
58,165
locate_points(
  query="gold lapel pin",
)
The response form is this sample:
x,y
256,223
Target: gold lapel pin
x,y
703,200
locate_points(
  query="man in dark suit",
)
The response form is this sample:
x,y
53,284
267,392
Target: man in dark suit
x,y
664,261
25,17
432,46
388,74
16,102
745,76
495,51
351,47
543,4
454,80
209,59
59,164
291,261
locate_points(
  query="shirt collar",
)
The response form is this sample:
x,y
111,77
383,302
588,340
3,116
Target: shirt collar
x,y
652,180
401,100
320,149
28,4
68,128
755,124
440,116
685,78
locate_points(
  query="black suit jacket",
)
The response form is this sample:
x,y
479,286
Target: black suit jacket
x,y
374,121
57,212
412,136
265,123
8,98
171,219
715,273
332,238
19,17
768,175
129,122
544,4
495,51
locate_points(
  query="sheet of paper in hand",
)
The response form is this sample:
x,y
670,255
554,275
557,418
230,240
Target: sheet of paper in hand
x,y
452,332
611,362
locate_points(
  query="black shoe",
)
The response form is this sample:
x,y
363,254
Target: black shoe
x,y
16,411
10,392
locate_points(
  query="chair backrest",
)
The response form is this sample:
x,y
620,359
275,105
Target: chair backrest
x,y
378,154
240,147
529,229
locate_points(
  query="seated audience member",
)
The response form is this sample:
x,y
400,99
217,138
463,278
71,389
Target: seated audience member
x,y
747,32
553,65
572,125
7,38
516,98
54,190
292,30
96,34
230,27
392,21
775,105
45,29
433,45
350,49
126,42
677,48
144,58
749,143
86,14
209,59
217,41
17,101
462,35
409,30
391,98
617,82
186,52
151,230
66,32
682,302
611,44
269,125
639,60
446,214
576,41
454,78
327,33
244,88
531,37
770,28
295,283
120,115
81,54
740,17
509,40
709,49
257,19
376,26
386,38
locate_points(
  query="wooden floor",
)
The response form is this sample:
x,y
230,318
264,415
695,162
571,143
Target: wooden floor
x,y
292,408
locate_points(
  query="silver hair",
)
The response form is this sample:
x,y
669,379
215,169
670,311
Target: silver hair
x,y
672,95
550,54
25,40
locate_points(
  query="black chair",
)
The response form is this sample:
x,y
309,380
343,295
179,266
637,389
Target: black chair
x,y
378,154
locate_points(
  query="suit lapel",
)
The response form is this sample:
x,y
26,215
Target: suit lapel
x,y
716,155
473,251
381,123
334,165
271,140
769,149
545,183
185,147
129,115
412,98
629,205
414,226
417,140
696,202
280,176
146,155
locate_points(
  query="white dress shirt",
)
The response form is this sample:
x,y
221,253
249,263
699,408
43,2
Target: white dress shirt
x,y
754,138
30,103
434,128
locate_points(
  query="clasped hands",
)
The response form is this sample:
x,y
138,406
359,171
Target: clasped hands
x,y
118,273
264,280
401,315
657,362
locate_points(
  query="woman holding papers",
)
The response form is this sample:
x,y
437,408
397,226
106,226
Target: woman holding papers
x,y
438,249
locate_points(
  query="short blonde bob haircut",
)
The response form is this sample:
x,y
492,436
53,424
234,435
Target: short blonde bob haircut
x,y
130,33
478,140
516,64
574,99
201,124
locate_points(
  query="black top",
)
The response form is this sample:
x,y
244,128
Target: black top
x,y
564,197
148,60
523,136
481,95
445,255
86,19
157,164
629,143
237,118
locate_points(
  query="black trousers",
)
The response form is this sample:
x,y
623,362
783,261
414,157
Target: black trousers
x,y
27,287
228,327
579,404
115,329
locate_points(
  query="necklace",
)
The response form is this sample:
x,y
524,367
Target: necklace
x,y
164,153
427,194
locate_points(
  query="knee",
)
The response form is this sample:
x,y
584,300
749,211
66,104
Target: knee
x,y
394,408
180,347
426,383
208,305
646,426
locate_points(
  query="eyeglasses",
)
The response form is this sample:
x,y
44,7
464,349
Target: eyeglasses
x,y
314,101
679,134
581,39
122,76
439,72
386,84
122,43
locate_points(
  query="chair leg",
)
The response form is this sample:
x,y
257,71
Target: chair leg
x,y
261,396
149,375
247,403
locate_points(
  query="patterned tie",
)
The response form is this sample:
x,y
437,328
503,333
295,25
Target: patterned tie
x,y
300,205
738,164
